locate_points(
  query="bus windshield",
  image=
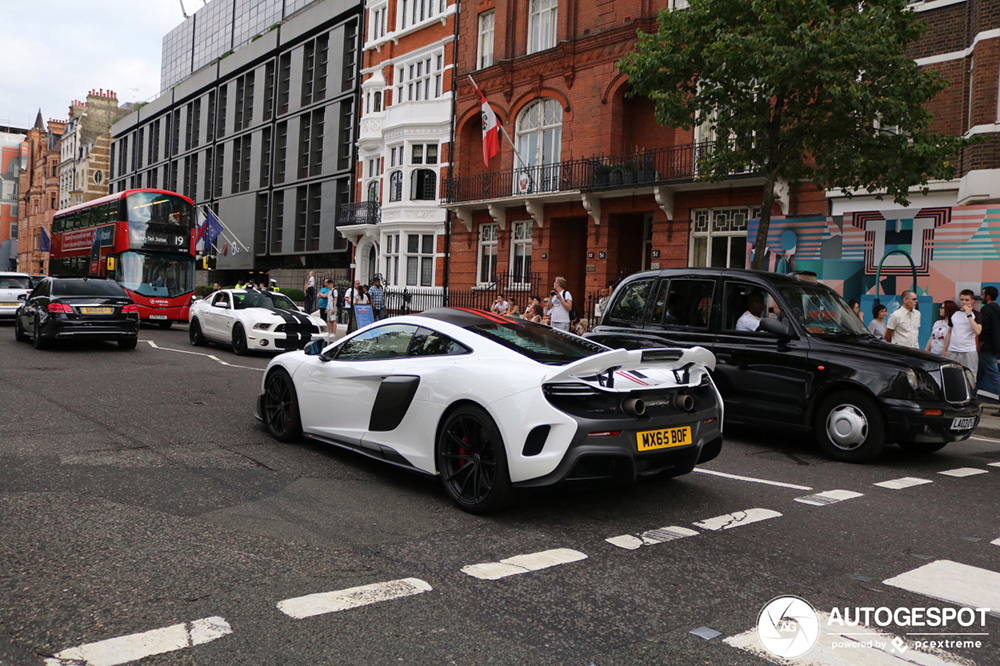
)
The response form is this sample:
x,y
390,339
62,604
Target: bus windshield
x,y
158,221
154,274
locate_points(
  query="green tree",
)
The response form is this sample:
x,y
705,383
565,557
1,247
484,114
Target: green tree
x,y
819,90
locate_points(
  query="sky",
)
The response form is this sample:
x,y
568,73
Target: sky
x,y
56,51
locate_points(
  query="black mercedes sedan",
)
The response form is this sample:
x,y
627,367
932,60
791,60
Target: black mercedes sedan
x,y
75,308
791,352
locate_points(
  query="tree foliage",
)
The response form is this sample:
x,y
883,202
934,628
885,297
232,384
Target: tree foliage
x,y
819,90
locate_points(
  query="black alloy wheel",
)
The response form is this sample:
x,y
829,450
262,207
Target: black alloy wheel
x,y
472,461
850,427
40,343
195,336
280,407
19,333
239,340
922,448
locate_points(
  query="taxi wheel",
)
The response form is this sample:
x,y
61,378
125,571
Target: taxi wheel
x,y
280,407
195,335
472,462
849,427
128,343
40,342
921,448
239,340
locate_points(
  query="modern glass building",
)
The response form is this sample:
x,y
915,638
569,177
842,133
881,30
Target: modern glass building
x,y
262,131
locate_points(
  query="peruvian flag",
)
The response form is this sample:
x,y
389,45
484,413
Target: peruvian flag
x,y
491,127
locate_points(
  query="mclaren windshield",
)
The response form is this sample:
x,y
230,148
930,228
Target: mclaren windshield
x,y
822,311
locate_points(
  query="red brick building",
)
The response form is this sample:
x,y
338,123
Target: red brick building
x,y
39,192
601,190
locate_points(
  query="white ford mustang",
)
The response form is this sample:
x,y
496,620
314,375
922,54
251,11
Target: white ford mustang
x,y
491,404
252,321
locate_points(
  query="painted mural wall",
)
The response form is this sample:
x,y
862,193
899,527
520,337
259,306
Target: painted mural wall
x,y
868,254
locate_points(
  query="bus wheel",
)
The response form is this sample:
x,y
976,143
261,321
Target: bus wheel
x,y
195,335
239,340
128,343
165,324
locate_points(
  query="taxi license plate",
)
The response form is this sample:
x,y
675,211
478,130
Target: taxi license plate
x,y
662,439
96,310
157,316
963,423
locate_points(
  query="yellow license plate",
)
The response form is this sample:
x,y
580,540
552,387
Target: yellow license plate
x,y
96,310
663,439
9,305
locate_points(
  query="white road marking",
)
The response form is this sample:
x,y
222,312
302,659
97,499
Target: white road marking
x,y
995,542
738,519
751,479
124,649
828,497
985,439
905,482
211,356
996,464
964,471
867,647
953,582
652,537
354,597
521,564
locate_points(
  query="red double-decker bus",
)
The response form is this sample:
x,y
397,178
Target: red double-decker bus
x,y
143,239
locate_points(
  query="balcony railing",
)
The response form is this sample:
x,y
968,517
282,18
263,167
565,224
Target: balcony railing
x,y
364,212
644,167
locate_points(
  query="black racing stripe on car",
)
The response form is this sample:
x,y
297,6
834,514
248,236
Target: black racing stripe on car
x,y
393,399
298,328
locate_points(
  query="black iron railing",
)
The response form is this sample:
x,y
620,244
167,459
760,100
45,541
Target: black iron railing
x,y
363,212
515,286
642,167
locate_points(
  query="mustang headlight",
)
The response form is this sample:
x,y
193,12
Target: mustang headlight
x,y
261,327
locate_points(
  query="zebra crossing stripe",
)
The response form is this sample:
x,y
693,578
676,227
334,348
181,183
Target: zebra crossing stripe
x,y
905,482
738,519
521,564
953,582
124,649
651,537
963,471
828,497
354,597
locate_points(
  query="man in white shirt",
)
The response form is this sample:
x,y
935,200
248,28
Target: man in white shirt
x,y
963,327
562,303
903,326
750,320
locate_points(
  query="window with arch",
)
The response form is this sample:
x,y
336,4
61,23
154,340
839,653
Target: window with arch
x,y
423,185
539,142
396,186
373,191
542,21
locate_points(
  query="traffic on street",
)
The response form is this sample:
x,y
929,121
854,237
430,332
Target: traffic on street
x,y
147,516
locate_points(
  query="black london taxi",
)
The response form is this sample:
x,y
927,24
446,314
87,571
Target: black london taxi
x,y
790,351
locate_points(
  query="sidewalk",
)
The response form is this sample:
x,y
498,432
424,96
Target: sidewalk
x,y
989,425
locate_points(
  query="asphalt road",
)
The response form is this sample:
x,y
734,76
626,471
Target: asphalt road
x,y
138,496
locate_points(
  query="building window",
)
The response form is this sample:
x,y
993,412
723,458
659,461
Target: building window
x,y
265,157
349,71
413,12
373,191
420,79
419,260
260,224
311,143
244,101
281,152
175,132
345,149
392,259
269,91
487,25
675,5
520,252
210,129
220,158
719,236
209,165
193,122
421,153
317,53
277,220
284,81
220,123
487,261
241,164
542,25
378,22
396,186
423,185
539,141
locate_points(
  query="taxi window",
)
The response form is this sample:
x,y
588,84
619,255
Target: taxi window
x,y
684,303
631,302
745,305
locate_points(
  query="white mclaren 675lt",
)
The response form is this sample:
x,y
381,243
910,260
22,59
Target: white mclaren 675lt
x,y
491,404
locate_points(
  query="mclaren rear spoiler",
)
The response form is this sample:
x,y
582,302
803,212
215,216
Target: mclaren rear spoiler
x,y
665,358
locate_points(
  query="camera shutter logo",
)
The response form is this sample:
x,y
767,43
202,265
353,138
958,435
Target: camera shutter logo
x,y
788,627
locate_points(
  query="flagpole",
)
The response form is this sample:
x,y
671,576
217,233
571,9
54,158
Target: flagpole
x,y
230,231
503,129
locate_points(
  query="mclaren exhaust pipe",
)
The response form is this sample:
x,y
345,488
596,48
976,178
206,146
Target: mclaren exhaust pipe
x,y
633,406
684,402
